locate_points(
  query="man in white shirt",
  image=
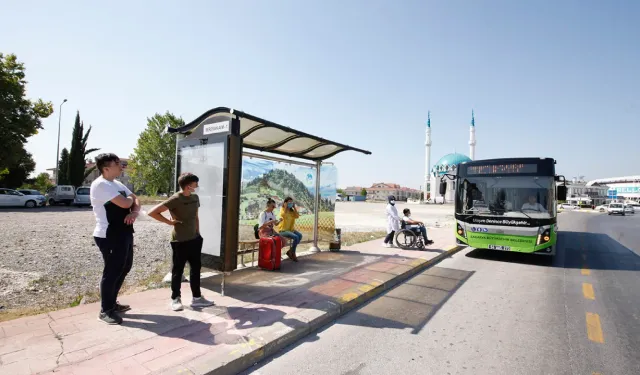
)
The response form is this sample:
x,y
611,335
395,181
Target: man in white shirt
x,y
533,205
116,209
416,226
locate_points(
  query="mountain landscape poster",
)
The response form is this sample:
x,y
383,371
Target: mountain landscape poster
x,y
264,179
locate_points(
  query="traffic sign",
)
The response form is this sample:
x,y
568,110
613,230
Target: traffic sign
x,y
612,194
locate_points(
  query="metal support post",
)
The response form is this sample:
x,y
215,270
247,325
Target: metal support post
x,y
315,248
222,284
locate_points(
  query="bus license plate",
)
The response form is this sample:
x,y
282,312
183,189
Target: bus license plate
x,y
498,247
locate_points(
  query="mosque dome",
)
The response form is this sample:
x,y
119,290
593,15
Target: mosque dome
x,y
448,163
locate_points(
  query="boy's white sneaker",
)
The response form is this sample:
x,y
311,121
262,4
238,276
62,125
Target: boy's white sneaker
x,y
176,304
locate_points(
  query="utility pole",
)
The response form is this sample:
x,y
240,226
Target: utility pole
x,y
58,149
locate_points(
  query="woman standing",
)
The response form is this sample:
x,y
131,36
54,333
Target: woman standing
x,y
393,221
288,215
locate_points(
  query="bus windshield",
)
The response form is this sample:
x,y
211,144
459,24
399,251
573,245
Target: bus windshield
x,y
512,196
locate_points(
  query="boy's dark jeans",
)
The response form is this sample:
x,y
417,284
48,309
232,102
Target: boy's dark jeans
x,y
117,253
183,252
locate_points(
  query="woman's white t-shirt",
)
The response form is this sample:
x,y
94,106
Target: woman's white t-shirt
x,y
266,216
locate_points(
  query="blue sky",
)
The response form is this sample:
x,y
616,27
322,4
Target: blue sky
x,y
545,78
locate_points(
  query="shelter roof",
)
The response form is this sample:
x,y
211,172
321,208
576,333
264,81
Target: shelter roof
x,y
262,135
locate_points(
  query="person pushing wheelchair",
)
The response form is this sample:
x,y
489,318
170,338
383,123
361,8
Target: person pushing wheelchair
x,y
416,226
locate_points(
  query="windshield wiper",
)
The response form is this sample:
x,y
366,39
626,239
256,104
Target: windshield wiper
x,y
522,212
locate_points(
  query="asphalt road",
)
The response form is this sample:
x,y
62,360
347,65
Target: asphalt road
x,y
488,312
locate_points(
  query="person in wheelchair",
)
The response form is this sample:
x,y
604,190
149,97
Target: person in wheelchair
x,y
415,226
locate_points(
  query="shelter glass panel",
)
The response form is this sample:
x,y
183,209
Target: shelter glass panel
x,y
207,162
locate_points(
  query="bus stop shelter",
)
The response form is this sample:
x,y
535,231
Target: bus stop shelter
x,y
212,147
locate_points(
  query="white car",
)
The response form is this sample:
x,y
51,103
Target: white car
x,y
61,194
602,208
628,209
13,198
568,206
634,205
36,195
616,209
82,196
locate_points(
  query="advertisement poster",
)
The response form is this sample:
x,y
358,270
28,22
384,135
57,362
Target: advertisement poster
x,y
264,179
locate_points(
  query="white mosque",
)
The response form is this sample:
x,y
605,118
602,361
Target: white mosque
x,y
446,164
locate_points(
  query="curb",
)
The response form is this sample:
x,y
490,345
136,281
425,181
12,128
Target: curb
x,y
271,340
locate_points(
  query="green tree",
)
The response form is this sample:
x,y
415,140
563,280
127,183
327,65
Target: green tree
x,y
63,167
76,172
363,192
340,191
20,118
152,163
42,183
19,171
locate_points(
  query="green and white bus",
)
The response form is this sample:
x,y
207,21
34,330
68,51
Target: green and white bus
x,y
507,204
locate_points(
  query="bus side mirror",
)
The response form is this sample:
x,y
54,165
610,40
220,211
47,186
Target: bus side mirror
x,y
562,193
443,188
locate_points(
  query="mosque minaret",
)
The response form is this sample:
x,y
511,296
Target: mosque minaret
x,y
446,164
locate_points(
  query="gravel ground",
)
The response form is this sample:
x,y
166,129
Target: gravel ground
x,y
48,257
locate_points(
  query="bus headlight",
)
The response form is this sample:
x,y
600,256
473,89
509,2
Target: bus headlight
x,y
544,236
460,230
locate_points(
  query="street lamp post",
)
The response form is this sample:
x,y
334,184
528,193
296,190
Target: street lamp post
x,y
58,149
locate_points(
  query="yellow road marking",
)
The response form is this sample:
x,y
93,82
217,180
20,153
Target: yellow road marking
x,y
594,329
348,297
585,271
587,291
365,288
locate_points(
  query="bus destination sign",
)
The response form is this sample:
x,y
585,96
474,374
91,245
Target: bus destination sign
x,y
516,168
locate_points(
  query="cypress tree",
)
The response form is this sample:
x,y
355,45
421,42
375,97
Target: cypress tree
x,y
76,171
63,168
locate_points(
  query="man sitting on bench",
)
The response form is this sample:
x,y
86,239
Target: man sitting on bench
x,y
416,226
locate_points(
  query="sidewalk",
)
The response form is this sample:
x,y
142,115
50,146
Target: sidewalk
x,y
261,313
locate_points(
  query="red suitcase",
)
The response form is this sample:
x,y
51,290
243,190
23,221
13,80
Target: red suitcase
x,y
270,253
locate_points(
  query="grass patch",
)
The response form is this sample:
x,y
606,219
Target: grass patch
x,y
352,238
76,301
154,280
151,199
24,312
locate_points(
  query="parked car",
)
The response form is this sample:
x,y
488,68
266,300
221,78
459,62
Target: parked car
x,y
616,209
35,194
602,208
568,206
82,196
635,205
10,197
628,209
61,194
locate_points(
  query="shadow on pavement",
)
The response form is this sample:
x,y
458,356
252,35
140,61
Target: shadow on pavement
x,y
266,296
207,333
596,251
411,304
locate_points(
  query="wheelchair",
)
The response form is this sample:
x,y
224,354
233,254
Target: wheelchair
x,y
409,238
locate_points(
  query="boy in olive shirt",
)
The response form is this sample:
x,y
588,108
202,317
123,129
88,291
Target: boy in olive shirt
x,y
186,242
